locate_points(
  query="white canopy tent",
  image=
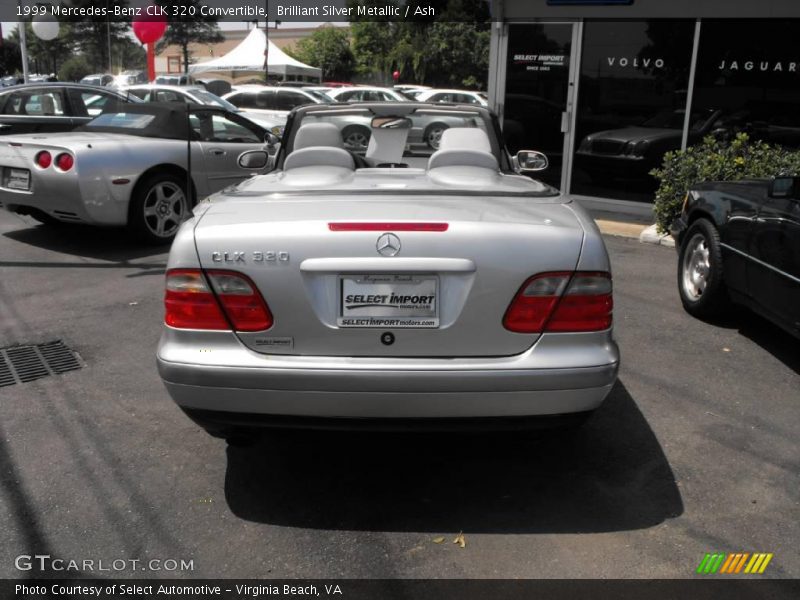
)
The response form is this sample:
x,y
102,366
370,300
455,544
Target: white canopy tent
x,y
247,61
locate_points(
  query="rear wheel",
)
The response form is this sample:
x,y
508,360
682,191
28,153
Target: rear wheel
x,y
433,135
356,138
158,207
700,278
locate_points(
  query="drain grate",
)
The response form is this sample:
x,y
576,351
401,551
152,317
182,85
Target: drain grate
x,y
21,364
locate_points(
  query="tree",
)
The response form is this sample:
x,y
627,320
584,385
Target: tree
x,y
450,48
92,36
329,49
74,68
183,30
43,56
10,58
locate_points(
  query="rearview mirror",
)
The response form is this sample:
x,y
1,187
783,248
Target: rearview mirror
x,y
253,159
391,123
783,187
530,161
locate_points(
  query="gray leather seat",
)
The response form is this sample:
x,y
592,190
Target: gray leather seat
x,y
464,147
318,145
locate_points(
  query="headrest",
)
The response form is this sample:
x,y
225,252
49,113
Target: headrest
x,y
465,138
462,158
318,134
319,156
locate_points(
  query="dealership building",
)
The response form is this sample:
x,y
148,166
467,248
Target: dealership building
x,y
606,87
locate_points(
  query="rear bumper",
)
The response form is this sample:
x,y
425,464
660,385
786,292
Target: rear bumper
x,y
560,374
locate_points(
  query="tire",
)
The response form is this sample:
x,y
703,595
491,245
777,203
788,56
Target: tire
x,y
355,137
433,135
700,276
158,207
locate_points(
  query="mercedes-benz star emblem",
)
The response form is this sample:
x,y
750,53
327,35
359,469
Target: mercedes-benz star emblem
x,y
388,244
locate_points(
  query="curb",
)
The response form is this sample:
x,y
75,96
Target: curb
x,y
651,236
643,233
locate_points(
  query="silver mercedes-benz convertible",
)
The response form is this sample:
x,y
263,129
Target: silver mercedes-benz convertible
x,y
398,287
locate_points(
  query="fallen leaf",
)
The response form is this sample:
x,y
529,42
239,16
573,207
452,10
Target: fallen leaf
x,y
438,540
460,539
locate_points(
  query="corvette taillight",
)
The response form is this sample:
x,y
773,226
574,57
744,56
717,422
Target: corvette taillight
x,y
233,302
562,302
44,159
65,161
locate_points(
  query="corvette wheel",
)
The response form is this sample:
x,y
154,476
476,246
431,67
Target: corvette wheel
x,y
158,208
700,281
355,138
433,135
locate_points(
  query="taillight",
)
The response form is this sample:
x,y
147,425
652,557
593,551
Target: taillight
x,y
241,301
65,161
234,301
44,159
562,302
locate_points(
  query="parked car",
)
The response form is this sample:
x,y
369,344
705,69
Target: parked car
x,y
632,152
127,78
176,80
453,96
366,94
740,242
128,167
270,100
333,293
220,87
199,95
101,79
53,107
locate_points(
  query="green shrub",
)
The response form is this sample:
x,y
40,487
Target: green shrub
x,y
713,160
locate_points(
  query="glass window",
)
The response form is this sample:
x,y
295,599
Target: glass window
x,y
266,100
536,92
36,102
168,96
126,120
93,103
753,86
219,128
631,107
287,100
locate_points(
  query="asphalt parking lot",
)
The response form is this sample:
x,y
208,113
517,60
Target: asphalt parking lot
x,y
695,450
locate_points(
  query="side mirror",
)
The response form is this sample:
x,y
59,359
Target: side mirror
x,y
253,159
272,141
530,161
783,187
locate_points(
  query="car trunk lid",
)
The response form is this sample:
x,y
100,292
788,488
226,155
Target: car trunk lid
x,y
317,261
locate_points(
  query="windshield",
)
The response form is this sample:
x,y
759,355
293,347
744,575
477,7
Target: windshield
x,y
673,119
411,147
210,99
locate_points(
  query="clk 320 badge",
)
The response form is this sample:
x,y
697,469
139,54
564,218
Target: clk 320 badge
x,y
268,256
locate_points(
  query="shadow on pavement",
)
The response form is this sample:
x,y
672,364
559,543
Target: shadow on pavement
x,y
781,344
101,243
609,475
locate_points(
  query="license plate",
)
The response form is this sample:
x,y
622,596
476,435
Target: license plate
x,y
393,301
18,179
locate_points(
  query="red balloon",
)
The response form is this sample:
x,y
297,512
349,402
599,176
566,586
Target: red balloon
x,y
396,75
150,26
